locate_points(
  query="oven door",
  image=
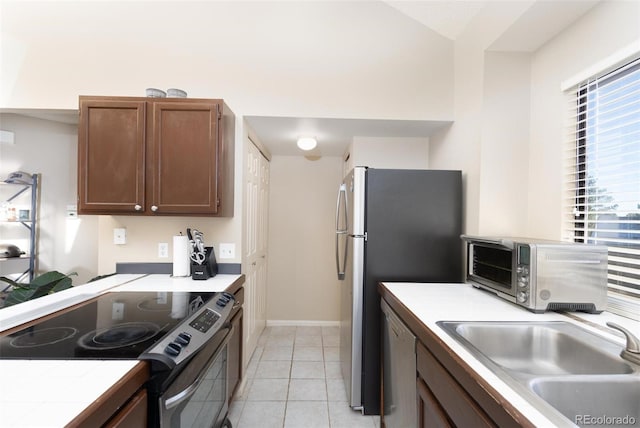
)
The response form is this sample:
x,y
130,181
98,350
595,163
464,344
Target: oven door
x,y
197,397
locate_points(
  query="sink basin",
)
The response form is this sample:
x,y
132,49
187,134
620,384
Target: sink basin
x,y
571,375
539,348
593,401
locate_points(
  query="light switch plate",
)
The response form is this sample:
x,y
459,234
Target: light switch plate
x,y
72,211
119,236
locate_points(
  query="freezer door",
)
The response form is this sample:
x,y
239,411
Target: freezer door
x,y
355,183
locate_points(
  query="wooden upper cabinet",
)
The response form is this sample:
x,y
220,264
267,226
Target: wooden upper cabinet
x,y
111,156
185,158
182,164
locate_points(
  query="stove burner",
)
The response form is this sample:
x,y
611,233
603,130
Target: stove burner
x,y
119,336
46,336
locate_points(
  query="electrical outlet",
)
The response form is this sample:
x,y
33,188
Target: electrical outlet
x,y
227,251
163,250
119,236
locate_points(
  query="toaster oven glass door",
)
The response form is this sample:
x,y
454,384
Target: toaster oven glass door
x,y
493,267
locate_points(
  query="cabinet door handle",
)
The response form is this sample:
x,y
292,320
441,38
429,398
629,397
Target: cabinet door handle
x,y
154,208
137,207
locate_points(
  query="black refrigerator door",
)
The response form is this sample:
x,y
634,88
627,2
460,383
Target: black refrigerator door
x,y
413,222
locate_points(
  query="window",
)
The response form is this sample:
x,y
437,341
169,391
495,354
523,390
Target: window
x,y
603,176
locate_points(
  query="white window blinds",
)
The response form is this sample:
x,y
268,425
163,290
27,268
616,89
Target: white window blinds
x,y
602,176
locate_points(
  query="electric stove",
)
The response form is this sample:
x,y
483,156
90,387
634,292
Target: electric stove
x,y
115,325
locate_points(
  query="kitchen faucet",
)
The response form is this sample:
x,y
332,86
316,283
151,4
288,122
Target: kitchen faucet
x,y
632,350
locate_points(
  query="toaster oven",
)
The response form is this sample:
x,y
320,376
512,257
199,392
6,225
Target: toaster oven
x,y
539,275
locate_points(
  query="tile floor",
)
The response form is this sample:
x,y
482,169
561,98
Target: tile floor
x,y
293,380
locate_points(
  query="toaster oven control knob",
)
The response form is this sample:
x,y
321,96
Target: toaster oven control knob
x,y
523,297
523,282
183,339
173,349
523,270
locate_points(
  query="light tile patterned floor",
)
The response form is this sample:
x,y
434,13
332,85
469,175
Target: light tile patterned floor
x,y
294,381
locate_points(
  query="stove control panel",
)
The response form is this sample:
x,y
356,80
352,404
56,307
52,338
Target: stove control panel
x,y
193,333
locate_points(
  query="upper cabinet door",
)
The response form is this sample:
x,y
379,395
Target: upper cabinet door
x,y
111,156
184,158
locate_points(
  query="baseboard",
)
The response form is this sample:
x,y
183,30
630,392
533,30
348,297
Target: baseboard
x,y
302,323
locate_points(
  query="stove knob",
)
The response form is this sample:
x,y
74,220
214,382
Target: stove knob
x,y
183,339
222,303
173,349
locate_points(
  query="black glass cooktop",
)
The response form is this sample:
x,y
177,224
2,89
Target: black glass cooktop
x,y
113,326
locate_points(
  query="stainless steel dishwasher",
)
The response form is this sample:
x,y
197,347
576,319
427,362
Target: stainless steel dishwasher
x,y
399,371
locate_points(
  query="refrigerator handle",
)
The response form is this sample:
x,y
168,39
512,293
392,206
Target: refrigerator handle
x,y
341,202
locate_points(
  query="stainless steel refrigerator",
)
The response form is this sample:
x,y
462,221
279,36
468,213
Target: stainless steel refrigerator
x,y
395,226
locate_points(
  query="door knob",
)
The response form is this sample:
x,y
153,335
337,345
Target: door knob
x,y
154,208
137,207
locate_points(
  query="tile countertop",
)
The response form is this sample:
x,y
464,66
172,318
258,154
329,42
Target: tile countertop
x,y
462,302
36,393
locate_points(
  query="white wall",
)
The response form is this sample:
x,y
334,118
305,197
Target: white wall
x,y
50,148
509,118
302,282
313,59
607,28
405,153
504,137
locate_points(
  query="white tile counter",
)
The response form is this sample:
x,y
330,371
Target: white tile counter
x,y
159,282
32,309
462,302
51,393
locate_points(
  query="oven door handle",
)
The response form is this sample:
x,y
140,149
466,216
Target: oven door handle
x,y
186,393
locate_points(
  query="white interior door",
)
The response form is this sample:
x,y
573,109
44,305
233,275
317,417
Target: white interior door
x,y
256,238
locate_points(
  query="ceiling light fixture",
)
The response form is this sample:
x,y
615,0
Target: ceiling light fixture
x,y
307,143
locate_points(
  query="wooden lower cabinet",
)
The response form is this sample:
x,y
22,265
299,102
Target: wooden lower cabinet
x,y
123,405
430,412
446,403
234,357
133,414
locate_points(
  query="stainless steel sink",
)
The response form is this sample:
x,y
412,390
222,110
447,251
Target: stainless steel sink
x,y
571,375
593,400
547,348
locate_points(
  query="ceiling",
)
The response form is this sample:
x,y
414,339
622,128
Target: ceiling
x,y
279,134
